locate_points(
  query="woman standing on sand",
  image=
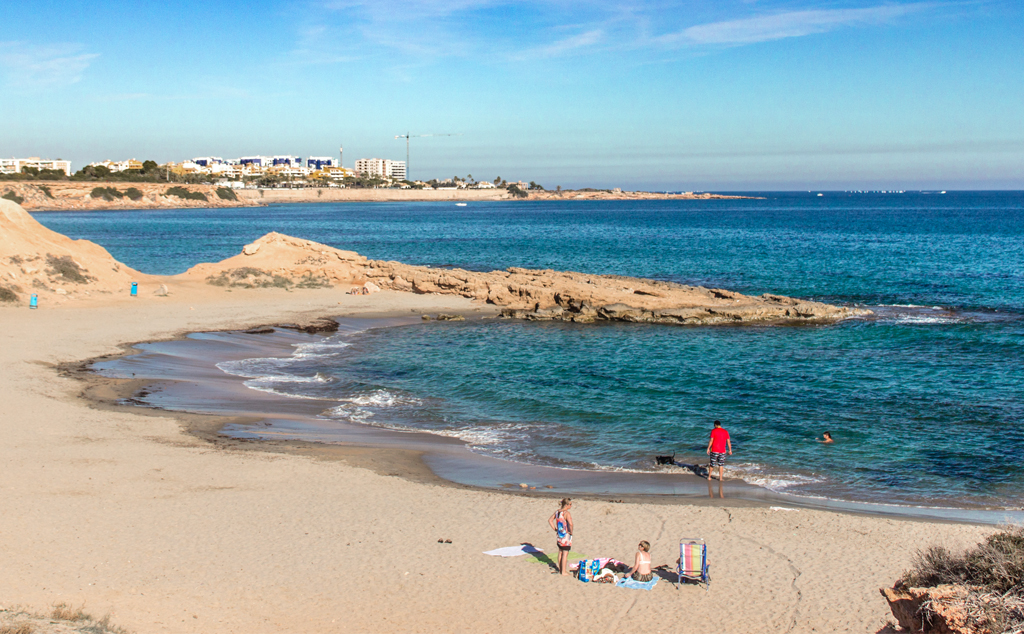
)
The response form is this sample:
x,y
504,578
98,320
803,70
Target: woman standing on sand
x,y
561,523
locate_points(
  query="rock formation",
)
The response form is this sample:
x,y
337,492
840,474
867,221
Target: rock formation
x,y
34,259
279,260
939,610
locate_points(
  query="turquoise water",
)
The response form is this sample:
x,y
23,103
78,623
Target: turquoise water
x,y
924,399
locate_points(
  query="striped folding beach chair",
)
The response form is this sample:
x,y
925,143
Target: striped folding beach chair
x,y
693,562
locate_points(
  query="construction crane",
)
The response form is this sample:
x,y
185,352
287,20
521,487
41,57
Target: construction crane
x,y
408,136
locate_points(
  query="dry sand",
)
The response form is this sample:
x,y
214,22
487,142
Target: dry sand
x,y
128,514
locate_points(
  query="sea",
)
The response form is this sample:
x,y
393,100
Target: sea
x,y
924,397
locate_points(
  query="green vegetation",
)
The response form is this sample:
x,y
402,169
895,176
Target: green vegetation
x,y
66,268
61,617
7,294
150,173
249,277
226,194
10,195
308,281
45,190
515,192
534,185
133,193
364,182
185,194
35,174
106,193
992,572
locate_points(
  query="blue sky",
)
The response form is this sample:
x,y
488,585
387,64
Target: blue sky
x,y
706,95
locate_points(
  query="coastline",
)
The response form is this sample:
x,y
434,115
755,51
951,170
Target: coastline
x,y
75,196
252,420
125,511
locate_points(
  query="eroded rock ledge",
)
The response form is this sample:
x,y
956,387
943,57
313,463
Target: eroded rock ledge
x,y
523,293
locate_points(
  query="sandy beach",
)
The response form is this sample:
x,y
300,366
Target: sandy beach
x,y
126,513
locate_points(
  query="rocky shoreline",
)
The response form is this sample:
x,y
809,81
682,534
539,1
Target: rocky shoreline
x,y
37,260
77,196
537,295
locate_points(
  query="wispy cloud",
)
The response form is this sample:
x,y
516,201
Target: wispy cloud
x,y
764,28
43,66
563,46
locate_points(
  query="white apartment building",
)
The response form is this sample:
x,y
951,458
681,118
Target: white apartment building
x,y
381,167
398,170
14,165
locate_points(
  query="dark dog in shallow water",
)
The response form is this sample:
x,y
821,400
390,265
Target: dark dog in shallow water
x,y
665,459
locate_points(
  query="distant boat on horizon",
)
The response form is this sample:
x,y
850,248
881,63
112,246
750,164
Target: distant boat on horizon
x,y
460,204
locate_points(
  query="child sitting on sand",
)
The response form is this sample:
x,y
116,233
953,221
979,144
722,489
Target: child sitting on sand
x,y
641,570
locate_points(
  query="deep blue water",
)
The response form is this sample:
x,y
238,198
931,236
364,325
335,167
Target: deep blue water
x,y
925,399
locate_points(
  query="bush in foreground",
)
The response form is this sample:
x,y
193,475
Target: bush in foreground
x,y
66,268
8,294
61,618
992,572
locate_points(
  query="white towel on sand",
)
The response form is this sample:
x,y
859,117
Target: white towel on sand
x,y
513,551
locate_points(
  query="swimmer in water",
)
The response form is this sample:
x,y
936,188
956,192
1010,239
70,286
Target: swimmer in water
x,y
826,438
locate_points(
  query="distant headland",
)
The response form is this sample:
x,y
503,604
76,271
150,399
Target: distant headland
x,y
65,195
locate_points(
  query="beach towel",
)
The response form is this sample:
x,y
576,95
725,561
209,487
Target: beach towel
x,y
513,551
632,584
604,561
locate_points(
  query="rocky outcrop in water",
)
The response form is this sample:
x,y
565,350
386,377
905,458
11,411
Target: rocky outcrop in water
x,y
539,295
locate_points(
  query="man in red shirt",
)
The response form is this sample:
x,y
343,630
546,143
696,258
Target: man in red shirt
x,y
719,442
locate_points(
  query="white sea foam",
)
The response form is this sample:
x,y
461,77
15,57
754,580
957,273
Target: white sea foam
x,y
773,481
318,349
377,399
259,387
925,319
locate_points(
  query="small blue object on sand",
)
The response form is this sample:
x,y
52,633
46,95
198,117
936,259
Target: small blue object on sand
x,y
633,584
135,289
33,302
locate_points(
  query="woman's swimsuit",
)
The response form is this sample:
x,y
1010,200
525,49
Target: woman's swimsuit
x,y
642,578
562,532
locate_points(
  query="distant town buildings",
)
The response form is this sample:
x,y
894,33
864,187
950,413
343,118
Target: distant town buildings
x,y
14,165
321,162
381,168
282,170
283,165
119,166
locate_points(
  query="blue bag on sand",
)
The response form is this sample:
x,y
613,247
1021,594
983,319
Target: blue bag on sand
x,y
595,569
583,574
